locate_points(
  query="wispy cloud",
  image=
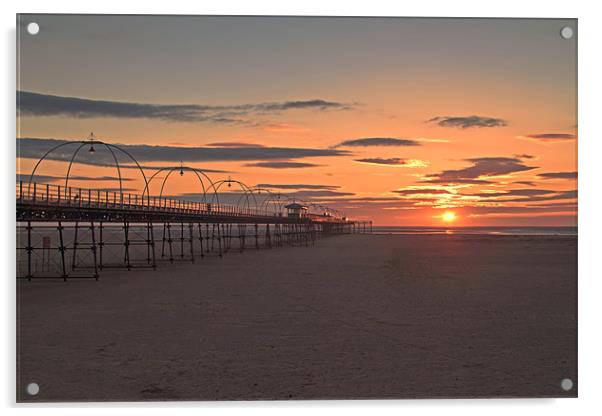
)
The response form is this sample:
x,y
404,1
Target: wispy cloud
x,y
558,175
298,186
377,141
524,156
549,137
467,122
234,144
552,197
528,183
422,191
456,181
35,148
282,165
395,161
513,193
36,104
318,194
52,178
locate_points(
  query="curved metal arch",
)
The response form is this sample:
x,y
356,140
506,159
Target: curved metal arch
x,y
271,201
246,190
33,172
92,143
128,154
277,199
82,143
171,169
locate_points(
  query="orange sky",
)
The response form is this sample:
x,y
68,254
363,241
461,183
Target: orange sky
x,y
329,85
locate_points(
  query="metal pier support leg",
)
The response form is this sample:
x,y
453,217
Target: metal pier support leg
x,y
62,251
148,254
268,237
219,239
244,236
163,241
100,245
191,233
29,249
151,241
169,240
207,236
126,244
181,240
74,245
225,238
93,248
201,238
279,235
256,236
230,235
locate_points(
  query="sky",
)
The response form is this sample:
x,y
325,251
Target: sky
x,y
403,121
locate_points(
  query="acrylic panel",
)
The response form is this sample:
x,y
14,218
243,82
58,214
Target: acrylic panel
x,y
275,208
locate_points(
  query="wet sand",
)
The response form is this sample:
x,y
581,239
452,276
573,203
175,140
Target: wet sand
x,y
355,316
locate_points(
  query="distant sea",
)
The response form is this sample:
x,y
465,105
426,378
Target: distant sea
x,y
477,230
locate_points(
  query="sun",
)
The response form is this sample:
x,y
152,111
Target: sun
x,y
448,216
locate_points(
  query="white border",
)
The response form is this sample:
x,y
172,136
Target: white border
x,y
590,199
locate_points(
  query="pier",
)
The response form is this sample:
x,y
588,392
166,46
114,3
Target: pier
x,y
71,232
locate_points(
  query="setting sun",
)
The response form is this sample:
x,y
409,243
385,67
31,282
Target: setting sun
x,y
448,216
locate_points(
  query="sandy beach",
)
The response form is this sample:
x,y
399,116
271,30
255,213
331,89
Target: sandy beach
x,y
355,316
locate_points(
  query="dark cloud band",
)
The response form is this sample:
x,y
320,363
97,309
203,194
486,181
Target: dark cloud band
x,y
467,122
551,136
282,165
35,104
34,148
395,161
298,186
558,175
378,141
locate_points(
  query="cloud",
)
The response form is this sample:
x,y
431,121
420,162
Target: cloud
x,y
482,167
378,141
513,192
36,104
318,194
556,196
549,136
281,165
34,148
395,161
50,178
457,181
282,127
524,156
234,144
422,191
528,183
467,122
558,175
297,186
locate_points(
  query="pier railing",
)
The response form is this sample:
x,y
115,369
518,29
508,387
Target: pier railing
x,y
73,197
